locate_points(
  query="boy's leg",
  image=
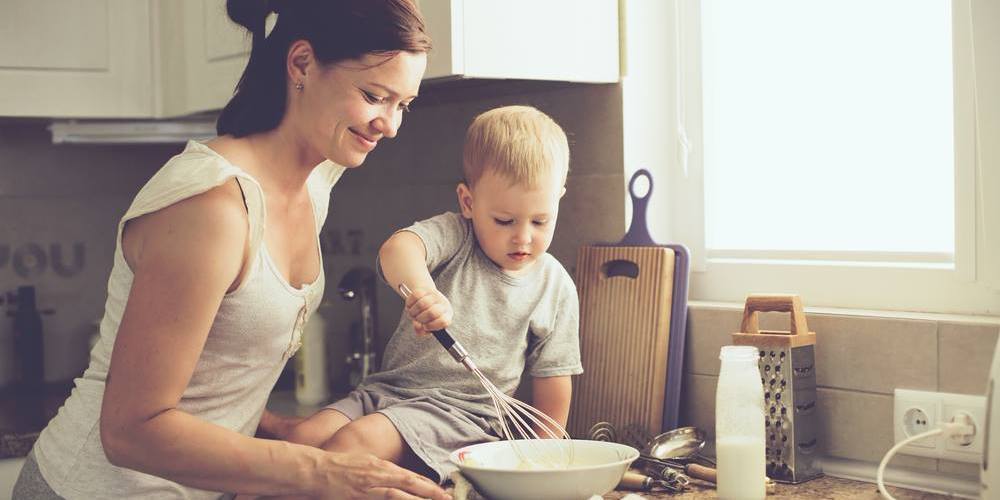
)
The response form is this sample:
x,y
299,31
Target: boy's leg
x,y
317,429
375,434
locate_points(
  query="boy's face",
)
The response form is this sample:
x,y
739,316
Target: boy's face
x,y
513,223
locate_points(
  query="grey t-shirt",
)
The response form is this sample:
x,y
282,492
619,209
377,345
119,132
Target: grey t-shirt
x,y
508,324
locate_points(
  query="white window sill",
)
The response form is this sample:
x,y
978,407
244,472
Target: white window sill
x,y
865,313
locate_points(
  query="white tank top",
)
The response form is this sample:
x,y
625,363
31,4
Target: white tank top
x,y
257,328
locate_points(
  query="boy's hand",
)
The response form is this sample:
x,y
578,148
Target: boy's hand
x,y
429,309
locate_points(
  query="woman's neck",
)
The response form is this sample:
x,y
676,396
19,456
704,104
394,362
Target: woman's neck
x,y
279,162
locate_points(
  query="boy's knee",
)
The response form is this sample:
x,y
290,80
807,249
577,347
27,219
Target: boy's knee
x,y
311,433
354,437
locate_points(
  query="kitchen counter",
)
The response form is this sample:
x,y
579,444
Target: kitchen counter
x,y
825,487
24,413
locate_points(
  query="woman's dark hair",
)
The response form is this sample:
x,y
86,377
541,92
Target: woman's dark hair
x,y
337,29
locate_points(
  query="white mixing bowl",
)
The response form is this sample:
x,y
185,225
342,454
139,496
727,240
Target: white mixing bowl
x,y
497,471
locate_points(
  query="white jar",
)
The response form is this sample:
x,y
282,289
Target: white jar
x,y
311,386
739,425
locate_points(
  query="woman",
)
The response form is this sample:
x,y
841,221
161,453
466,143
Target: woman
x,y
218,267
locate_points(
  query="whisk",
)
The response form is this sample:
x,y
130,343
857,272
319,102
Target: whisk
x,y
516,418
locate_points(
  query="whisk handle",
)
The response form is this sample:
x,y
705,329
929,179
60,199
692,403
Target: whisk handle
x,y
454,348
444,338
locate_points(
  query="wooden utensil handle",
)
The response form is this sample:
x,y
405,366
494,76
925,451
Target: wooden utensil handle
x,y
773,303
701,472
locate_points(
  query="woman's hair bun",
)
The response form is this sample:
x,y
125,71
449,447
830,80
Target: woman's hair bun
x,y
249,13
337,30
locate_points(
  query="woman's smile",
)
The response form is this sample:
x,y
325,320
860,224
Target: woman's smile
x,y
367,143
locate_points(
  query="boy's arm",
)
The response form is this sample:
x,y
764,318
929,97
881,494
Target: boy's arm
x,y
552,395
403,260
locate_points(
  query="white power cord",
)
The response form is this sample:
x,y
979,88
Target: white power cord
x,y
949,429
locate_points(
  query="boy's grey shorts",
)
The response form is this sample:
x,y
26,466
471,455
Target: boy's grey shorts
x,y
432,429
30,484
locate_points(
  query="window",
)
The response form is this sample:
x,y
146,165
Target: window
x,y
826,148
828,127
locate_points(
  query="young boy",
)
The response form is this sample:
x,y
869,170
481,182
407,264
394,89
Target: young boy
x,y
484,275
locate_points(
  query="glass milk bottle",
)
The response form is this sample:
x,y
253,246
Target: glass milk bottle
x,y
739,425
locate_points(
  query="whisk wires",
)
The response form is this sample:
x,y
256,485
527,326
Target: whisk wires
x,y
518,420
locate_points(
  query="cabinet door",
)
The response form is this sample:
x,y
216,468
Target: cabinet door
x,y
75,58
443,20
567,40
570,40
203,54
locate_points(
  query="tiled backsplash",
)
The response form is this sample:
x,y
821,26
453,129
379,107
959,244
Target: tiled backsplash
x,y
859,362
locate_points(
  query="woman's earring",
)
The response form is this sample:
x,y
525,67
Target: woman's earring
x,y
299,86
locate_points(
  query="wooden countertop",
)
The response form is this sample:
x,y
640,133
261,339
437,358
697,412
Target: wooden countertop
x,y
824,487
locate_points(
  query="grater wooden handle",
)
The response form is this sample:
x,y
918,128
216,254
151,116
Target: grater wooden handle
x,y
773,303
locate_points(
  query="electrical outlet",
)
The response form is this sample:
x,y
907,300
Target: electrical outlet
x,y
915,412
975,407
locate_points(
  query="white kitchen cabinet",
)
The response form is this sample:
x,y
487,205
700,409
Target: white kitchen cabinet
x,y
566,40
166,58
202,55
75,58
117,58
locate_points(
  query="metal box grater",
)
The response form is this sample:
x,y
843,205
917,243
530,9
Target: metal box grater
x,y
788,372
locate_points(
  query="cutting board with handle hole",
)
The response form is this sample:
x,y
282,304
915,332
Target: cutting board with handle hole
x,y
633,310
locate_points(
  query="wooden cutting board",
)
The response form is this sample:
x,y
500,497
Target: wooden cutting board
x,y
625,311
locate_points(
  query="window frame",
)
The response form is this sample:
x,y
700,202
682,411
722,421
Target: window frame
x,y
870,281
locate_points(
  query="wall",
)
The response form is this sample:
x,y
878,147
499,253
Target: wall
x,y
55,200
859,362
59,207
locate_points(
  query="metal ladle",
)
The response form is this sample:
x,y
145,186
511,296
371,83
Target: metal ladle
x,y
679,448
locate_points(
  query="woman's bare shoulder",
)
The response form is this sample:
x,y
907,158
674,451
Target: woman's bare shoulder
x,y
208,226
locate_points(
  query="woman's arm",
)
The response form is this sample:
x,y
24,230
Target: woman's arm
x,y
184,259
552,395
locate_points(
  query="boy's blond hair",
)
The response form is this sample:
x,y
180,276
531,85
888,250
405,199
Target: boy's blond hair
x,y
520,143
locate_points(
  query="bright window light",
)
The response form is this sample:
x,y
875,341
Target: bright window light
x,y
828,125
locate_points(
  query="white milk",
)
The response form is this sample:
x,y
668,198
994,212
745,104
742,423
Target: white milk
x,y
739,425
740,462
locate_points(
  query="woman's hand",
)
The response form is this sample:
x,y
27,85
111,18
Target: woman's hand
x,y
356,476
429,309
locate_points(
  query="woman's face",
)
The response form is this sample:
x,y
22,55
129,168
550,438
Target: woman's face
x,y
346,108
